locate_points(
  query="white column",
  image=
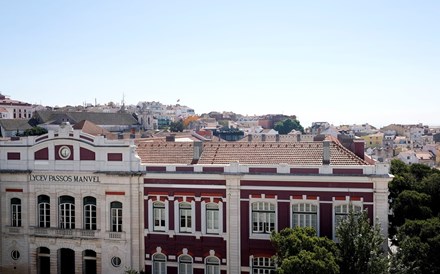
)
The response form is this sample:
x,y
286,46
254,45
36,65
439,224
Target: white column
x,y
233,224
381,207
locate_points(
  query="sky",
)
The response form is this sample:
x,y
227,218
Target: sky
x,y
343,62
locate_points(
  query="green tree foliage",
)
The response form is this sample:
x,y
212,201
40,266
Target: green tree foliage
x,y
176,126
398,167
360,245
299,250
411,205
35,131
431,186
419,248
286,126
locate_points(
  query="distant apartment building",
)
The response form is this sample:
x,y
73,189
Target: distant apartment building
x,y
14,109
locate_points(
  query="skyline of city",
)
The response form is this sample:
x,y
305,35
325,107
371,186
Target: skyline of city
x,y
343,62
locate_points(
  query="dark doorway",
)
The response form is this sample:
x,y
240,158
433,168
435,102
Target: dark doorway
x,y
66,261
89,265
43,260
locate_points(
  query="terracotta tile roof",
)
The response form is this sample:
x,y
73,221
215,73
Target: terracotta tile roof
x,y
166,152
91,128
294,153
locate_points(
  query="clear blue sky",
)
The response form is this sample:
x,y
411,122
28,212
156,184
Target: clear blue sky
x,y
343,62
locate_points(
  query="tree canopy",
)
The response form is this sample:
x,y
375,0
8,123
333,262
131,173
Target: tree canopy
x,y
299,250
361,245
286,126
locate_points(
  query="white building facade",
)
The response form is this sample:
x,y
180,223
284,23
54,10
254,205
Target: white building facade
x,y
68,201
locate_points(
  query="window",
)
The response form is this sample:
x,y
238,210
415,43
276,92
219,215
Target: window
x,y
116,216
15,212
212,265
159,264
305,215
263,217
262,265
66,212
212,218
43,211
89,213
341,212
159,216
43,260
185,217
185,264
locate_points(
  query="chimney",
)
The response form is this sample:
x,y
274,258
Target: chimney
x,y
263,137
277,137
326,152
198,148
170,138
358,147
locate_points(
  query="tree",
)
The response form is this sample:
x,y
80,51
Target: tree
x,y
189,120
419,248
35,131
176,126
299,250
431,186
360,245
398,167
411,205
286,126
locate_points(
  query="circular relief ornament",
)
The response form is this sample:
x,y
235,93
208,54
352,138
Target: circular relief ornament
x,y
64,152
116,261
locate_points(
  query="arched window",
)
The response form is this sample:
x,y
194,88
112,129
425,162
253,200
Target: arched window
x,y
185,212
159,217
116,216
89,213
43,211
212,265
159,263
305,214
66,212
15,212
212,218
263,217
185,264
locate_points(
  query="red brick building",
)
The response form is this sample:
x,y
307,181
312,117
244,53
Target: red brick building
x,y
210,208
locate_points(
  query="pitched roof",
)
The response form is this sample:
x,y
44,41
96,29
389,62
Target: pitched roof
x,y
166,152
293,153
91,128
15,124
98,118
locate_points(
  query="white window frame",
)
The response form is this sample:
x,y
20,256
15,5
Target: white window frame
x,y
161,264
262,265
185,267
43,212
356,205
211,267
88,210
66,213
206,229
177,217
16,212
163,216
303,214
116,217
264,215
